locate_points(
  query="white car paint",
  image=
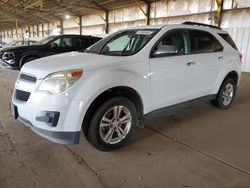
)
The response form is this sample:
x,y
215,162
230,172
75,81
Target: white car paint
x,y
160,82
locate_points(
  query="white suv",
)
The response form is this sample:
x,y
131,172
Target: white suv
x,y
107,90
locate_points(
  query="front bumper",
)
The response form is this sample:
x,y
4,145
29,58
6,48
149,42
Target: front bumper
x,y
33,114
7,66
54,136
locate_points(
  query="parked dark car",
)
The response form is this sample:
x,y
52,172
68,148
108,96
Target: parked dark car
x,y
16,57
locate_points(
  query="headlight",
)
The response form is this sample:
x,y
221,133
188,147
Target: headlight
x,y
60,81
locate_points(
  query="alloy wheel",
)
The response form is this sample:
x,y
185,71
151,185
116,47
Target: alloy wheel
x,y
228,94
115,124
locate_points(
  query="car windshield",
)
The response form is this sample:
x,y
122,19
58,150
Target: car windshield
x,y
45,40
11,43
123,43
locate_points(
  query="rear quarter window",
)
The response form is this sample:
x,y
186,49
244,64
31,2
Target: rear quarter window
x,y
228,39
94,40
83,42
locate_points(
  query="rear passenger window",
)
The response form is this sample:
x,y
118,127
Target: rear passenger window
x,y
94,40
203,42
83,42
229,40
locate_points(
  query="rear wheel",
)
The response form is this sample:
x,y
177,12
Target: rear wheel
x,y
112,124
226,94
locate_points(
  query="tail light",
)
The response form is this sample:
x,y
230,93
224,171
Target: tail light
x,y
241,58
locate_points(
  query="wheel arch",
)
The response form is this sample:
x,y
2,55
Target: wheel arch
x,y
119,91
217,101
234,75
28,55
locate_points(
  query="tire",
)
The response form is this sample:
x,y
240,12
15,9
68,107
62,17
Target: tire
x,y
108,131
225,95
26,60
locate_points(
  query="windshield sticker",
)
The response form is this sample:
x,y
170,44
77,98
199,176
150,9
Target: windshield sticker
x,y
144,32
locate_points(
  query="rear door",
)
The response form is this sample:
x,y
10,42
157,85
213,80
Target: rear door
x,y
208,55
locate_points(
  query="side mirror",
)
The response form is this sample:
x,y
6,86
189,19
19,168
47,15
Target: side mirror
x,y
165,50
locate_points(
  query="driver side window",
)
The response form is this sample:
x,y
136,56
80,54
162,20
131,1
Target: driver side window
x,y
174,43
56,43
63,42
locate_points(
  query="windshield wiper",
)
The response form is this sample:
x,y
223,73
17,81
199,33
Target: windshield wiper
x,y
129,43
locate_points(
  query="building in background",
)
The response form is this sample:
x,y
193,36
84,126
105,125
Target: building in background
x,y
235,18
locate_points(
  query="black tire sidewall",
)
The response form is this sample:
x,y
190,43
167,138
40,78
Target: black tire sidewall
x,y
219,98
93,132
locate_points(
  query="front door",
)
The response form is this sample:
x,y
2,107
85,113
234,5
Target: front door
x,y
62,45
175,76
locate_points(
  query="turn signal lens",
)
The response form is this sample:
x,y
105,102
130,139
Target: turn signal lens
x,y
76,74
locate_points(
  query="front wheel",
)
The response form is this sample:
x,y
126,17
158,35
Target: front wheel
x,y
226,94
112,124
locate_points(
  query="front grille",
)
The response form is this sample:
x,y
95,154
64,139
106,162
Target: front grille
x,y
27,78
22,95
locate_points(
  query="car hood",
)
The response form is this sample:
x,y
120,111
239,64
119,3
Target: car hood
x,y
7,49
68,61
15,48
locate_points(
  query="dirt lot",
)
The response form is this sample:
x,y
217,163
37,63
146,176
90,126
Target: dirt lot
x,y
196,147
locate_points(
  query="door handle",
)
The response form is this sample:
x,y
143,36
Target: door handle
x,y
190,63
221,57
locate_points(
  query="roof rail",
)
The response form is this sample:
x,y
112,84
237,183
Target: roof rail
x,y
201,24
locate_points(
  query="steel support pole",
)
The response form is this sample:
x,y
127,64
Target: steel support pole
x,y
16,29
219,12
